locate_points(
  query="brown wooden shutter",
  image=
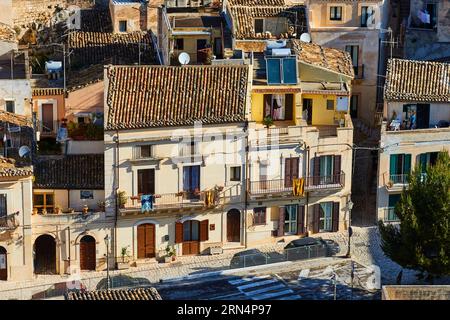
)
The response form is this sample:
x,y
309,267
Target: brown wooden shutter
x,y
141,241
204,226
316,218
287,174
281,222
316,171
289,113
301,220
335,217
337,168
178,232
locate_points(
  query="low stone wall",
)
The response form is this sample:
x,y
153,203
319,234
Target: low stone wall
x,y
424,292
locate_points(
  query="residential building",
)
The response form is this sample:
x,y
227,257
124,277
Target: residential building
x,y
174,157
356,27
49,110
415,126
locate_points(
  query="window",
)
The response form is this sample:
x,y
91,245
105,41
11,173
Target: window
x,y
390,214
336,13
235,174
326,169
367,16
3,206
330,104
427,159
10,106
425,17
399,168
191,181
259,26
44,201
279,106
326,216
354,52
290,219
123,26
259,216
86,194
144,151
146,181
179,44
191,230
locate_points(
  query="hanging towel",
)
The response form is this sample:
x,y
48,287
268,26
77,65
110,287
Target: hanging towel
x,y
209,198
147,201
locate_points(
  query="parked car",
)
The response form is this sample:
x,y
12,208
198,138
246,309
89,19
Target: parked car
x,y
309,247
248,258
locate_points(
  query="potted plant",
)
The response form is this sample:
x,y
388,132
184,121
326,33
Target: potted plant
x,y
35,211
122,199
122,264
44,211
71,210
85,209
170,254
58,209
268,121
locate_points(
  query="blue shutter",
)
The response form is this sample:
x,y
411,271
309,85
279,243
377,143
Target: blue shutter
x,y
290,71
273,71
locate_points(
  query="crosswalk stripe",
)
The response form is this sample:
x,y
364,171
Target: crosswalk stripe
x,y
242,280
270,288
271,294
257,284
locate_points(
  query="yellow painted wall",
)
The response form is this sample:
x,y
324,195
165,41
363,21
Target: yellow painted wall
x,y
320,114
258,107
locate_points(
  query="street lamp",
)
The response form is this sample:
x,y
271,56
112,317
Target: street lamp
x,y
350,231
107,241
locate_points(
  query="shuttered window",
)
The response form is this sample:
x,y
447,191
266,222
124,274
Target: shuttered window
x,y
326,217
327,169
399,167
259,216
146,181
3,206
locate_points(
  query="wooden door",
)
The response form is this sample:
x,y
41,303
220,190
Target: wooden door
x,y
192,236
87,253
3,264
291,171
146,240
191,247
233,226
47,117
45,255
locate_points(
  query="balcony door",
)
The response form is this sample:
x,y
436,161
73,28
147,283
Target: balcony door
x,y
146,181
290,171
327,170
3,264
399,168
234,226
191,181
47,117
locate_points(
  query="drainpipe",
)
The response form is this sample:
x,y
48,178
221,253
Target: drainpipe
x,y
116,195
245,129
68,258
307,194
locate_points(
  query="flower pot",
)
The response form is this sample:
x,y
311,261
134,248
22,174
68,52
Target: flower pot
x,y
167,259
35,211
173,258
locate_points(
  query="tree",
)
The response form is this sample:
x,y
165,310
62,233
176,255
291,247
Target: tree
x,y
422,240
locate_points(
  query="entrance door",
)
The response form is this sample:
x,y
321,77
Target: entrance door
x,y
423,116
191,237
218,48
45,255
233,226
146,181
291,171
47,117
3,265
87,253
307,110
146,240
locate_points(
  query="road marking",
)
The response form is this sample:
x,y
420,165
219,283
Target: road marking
x,y
294,297
271,288
242,280
257,284
271,295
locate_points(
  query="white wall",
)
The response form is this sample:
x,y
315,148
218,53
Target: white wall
x,y
20,92
85,147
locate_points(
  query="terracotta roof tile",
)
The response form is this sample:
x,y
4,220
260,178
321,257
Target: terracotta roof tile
x,y
15,119
83,171
153,96
329,58
8,169
118,294
408,80
7,34
47,92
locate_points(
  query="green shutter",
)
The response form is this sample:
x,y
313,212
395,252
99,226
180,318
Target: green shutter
x,y
407,164
393,164
423,162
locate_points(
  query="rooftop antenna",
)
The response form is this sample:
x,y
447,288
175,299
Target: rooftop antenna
x,y
184,58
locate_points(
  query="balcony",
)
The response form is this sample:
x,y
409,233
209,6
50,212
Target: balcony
x,y
390,216
282,187
8,222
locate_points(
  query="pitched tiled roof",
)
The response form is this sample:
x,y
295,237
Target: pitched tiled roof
x,y
8,169
7,33
245,11
118,294
84,171
408,80
47,92
16,119
153,96
81,78
332,59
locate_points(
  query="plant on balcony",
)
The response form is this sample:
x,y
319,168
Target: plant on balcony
x,y
418,244
101,205
121,199
58,209
268,121
124,253
170,253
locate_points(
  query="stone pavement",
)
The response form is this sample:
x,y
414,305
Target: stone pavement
x,y
365,250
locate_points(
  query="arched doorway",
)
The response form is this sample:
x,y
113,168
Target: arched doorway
x,y
146,240
3,264
87,253
45,255
234,225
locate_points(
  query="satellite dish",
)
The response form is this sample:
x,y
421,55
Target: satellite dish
x,y
305,37
184,58
24,151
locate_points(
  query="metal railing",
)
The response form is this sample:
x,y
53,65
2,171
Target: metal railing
x,y
285,186
399,178
8,222
390,216
169,200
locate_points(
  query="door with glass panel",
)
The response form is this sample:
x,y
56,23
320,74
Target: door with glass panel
x,y
290,219
326,170
326,217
